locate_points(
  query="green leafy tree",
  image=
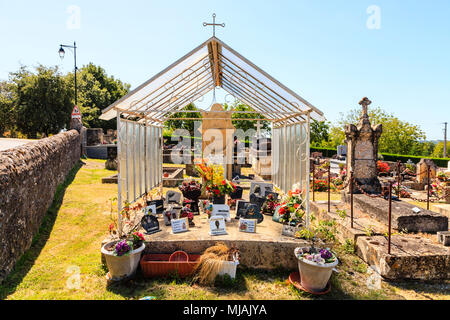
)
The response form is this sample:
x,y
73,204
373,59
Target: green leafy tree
x,y
398,136
7,114
173,124
319,133
246,124
439,150
42,102
96,91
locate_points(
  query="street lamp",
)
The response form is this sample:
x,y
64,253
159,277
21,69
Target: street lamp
x,y
62,54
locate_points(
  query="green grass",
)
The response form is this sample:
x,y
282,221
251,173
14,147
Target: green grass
x,y
70,239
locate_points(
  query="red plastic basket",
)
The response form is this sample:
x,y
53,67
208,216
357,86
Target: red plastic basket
x,y
179,256
158,265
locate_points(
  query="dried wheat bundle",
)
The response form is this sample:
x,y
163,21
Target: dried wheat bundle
x,y
211,261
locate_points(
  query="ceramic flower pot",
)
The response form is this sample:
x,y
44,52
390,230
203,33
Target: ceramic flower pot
x,y
124,266
313,276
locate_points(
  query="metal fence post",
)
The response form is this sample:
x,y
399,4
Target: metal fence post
x,y
351,198
329,185
428,188
389,217
399,179
313,179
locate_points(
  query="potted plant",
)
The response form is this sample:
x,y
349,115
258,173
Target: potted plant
x,y
186,212
315,266
123,252
219,191
270,204
191,189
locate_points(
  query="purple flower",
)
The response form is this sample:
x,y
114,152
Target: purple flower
x,y
324,253
122,248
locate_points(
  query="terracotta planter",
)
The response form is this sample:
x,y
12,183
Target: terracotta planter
x,y
158,265
314,277
124,266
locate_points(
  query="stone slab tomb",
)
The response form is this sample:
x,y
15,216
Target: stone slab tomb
x,y
403,217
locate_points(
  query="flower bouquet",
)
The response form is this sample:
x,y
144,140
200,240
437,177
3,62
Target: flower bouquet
x,y
291,210
270,205
191,189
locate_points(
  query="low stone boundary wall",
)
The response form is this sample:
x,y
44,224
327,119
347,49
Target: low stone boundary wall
x,y
29,176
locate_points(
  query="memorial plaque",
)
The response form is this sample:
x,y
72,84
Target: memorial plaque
x,y
260,188
247,225
217,226
150,210
150,224
170,214
159,205
253,212
180,225
173,197
221,210
241,208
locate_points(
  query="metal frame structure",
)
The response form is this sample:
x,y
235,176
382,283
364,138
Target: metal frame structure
x,y
141,114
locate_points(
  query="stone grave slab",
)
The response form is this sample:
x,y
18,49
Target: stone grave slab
x,y
403,216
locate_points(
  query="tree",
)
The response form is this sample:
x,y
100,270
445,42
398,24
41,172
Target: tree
x,y
319,133
42,102
439,150
7,115
246,124
398,136
184,124
96,91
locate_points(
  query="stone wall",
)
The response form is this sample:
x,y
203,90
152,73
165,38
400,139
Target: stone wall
x,y
29,175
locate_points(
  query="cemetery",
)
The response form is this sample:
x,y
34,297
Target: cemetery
x,y
217,212
265,215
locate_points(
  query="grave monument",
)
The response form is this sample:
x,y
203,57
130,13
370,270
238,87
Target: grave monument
x,y
362,151
217,132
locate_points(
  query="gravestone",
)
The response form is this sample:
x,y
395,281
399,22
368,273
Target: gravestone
x,y
217,132
173,197
252,211
422,171
150,224
362,151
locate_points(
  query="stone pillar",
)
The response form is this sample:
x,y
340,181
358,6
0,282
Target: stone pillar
x,y
422,171
362,151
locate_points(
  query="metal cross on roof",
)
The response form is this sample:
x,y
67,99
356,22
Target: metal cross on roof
x,y
214,24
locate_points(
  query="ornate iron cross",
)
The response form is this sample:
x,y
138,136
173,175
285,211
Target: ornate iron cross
x,y
214,24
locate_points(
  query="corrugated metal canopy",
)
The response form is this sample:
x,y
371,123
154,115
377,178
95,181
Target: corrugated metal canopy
x,y
212,64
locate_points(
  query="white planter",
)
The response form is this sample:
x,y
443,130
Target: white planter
x,y
314,277
229,267
124,266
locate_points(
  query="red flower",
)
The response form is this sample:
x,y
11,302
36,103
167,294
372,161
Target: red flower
x,y
217,191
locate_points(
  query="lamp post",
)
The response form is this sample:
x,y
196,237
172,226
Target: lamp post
x,y
62,54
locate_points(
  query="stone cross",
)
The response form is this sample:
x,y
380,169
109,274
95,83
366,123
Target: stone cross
x,y
365,102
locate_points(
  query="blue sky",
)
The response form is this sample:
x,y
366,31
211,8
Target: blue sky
x,y
323,50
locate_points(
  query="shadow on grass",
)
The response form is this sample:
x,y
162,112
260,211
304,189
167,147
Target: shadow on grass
x,y
25,263
138,286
